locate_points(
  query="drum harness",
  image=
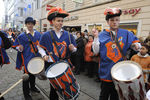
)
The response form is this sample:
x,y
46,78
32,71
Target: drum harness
x,y
114,39
53,40
34,49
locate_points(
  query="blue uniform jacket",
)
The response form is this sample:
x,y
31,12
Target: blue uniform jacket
x,y
63,45
28,53
110,55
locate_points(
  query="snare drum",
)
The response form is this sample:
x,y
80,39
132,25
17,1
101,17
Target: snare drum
x,y
128,80
63,80
36,66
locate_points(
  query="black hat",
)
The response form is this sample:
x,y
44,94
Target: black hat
x,y
112,12
30,19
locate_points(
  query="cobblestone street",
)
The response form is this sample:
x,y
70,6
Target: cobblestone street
x,y
9,76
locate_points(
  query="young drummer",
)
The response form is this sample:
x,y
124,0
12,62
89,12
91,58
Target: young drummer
x,y
56,44
4,44
106,44
26,44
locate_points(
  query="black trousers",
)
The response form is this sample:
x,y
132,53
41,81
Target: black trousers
x,y
108,90
29,84
78,64
53,95
90,68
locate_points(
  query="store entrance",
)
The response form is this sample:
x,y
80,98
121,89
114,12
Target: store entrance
x,y
72,28
97,26
133,27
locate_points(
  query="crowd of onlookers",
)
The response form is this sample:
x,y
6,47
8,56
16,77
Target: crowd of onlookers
x,y
85,60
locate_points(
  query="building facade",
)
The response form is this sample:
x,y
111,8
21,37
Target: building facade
x,y
14,16
86,14
16,11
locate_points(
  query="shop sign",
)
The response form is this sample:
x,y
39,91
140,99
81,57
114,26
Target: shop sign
x,y
132,11
71,18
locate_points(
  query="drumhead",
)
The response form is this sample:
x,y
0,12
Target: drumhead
x,y
56,69
126,71
35,65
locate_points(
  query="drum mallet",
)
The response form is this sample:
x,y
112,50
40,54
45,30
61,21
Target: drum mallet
x,y
25,77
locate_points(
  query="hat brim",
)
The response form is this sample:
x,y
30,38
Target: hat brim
x,y
53,15
34,22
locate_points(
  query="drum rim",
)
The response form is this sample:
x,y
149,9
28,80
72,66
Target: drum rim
x,y
127,61
53,65
43,64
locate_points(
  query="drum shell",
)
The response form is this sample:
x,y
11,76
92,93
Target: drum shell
x,y
131,90
65,83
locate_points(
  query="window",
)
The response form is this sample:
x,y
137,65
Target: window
x,y
97,0
78,5
21,11
32,7
63,5
131,26
38,4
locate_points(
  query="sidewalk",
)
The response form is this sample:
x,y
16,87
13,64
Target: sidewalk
x,y
9,76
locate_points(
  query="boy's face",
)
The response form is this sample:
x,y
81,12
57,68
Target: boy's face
x,y
114,22
30,26
57,22
143,50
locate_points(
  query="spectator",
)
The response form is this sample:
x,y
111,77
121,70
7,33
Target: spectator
x,y
143,59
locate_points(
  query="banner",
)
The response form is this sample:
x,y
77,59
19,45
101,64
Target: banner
x,y
29,5
78,1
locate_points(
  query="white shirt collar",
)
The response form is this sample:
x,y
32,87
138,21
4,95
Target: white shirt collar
x,y
58,34
139,54
27,31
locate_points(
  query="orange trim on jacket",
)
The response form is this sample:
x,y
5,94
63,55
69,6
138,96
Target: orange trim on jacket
x,y
106,80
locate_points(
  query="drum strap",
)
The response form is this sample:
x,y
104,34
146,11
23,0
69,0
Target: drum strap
x,y
34,49
118,45
55,44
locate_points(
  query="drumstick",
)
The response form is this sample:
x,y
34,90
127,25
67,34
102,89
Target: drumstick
x,y
68,34
69,37
24,78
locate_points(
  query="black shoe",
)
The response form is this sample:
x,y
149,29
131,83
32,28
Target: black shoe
x,y
2,98
35,90
28,97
